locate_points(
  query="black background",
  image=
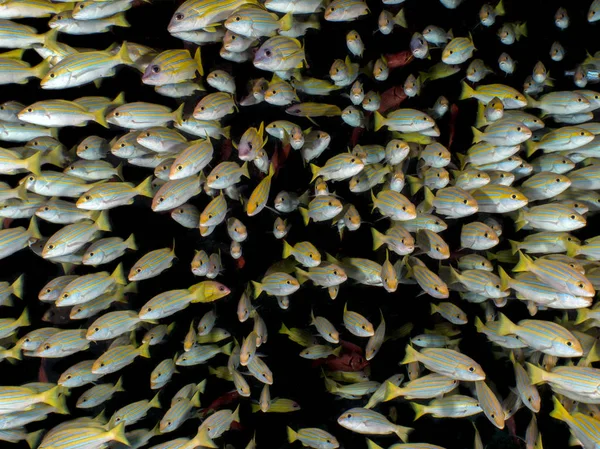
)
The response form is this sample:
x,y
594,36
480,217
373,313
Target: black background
x,y
294,376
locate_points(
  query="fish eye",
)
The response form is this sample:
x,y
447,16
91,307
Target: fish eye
x,y
582,133
29,110
96,329
87,197
50,246
557,180
572,217
579,100
471,369
161,199
465,201
497,287
404,208
268,53
138,270
102,365
179,16
52,75
513,196
46,347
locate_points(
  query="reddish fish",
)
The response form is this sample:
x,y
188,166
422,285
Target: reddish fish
x,y
392,98
226,150
453,117
221,401
399,59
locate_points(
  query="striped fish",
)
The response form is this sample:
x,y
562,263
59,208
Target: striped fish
x,y
82,68
510,97
16,35
119,357
489,403
458,50
446,362
321,208
426,387
140,115
545,336
179,412
369,422
192,160
455,406
152,264
172,66
279,54
176,192
83,436
78,375
586,429
62,344
313,437
15,239
90,286
99,394
260,195
202,354
132,413
214,213
214,106
19,72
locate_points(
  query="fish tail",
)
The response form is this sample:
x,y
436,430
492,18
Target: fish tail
x,y
453,276
100,117
33,439
428,201
291,435
402,432
480,120
40,70
337,351
573,249
504,279
301,275
195,401
378,238
514,246
287,250
227,348
120,20
467,92
130,243
284,330
499,9
245,170
123,55
145,187
522,29
257,289
21,192
524,264
33,229
119,100
198,60
434,308
144,350
531,147
391,392
119,171
119,275
254,407
411,355
119,385
479,326
118,434
226,132
400,19
379,121
305,216
49,38
178,114
505,326
33,163
582,315
52,397
102,222
560,412
415,184
477,135
372,445
155,402
286,22
17,287
23,320
315,172
419,409
532,102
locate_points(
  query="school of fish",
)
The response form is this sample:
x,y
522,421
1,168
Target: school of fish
x,y
534,165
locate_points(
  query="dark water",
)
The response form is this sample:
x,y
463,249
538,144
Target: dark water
x,y
295,377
